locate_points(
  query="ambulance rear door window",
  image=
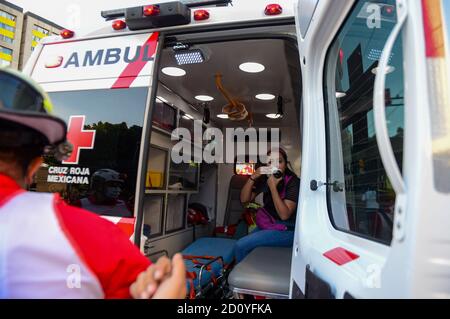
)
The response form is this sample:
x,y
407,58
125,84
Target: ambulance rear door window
x,y
105,127
362,199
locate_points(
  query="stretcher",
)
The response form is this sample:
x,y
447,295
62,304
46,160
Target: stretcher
x,y
208,261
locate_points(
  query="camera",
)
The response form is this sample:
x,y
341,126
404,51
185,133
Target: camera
x,y
276,172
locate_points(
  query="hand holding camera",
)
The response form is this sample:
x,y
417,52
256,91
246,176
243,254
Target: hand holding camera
x,y
267,171
275,171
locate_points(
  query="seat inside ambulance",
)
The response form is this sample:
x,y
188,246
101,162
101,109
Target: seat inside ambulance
x,y
195,207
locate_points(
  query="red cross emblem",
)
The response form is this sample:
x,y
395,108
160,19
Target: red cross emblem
x,y
79,137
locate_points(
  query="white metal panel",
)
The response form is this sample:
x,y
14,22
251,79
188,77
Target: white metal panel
x,y
82,85
94,63
306,14
414,266
221,16
427,215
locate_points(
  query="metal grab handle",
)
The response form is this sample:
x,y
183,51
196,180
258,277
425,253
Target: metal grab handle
x,y
203,267
382,133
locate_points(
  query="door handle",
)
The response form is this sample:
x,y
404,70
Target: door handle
x,y
337,187
382,133
381,129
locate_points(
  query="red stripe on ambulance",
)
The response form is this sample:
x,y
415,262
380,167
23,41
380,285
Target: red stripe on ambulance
x,y
125,224
133,69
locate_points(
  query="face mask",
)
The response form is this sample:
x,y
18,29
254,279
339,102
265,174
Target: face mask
x,y
112,192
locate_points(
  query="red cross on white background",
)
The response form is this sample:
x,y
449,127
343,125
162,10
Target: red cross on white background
x,y
80,138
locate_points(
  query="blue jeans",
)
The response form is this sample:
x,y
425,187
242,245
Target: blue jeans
x,y
262,238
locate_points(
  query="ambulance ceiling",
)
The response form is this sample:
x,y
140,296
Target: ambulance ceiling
x,y
280,77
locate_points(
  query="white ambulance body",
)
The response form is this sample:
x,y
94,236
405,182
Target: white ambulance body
x,y
367,119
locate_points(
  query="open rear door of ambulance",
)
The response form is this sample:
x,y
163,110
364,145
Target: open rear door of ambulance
x,y
428,37
102,88
372,213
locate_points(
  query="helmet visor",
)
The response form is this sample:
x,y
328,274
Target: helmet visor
x,y
22,103
19,96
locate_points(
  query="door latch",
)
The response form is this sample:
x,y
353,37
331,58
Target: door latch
x,y
337,187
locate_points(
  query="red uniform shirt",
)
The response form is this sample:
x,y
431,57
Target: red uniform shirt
x,y
49,249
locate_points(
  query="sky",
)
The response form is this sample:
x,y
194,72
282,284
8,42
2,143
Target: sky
x,y
83,16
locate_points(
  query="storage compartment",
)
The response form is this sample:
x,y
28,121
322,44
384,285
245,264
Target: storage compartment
x,y
153,215
176,212
157,166
183,176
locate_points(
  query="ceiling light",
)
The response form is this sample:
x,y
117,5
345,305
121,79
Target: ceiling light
x,y
375,55
162,99
204,98
171,71
265,97
273,116
252,67
189,57
389,69
340,95
223,116
188,117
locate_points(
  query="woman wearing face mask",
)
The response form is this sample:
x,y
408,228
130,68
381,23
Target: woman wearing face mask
x,y
276,220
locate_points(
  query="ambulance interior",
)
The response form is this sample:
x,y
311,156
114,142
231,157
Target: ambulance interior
x,y
177,194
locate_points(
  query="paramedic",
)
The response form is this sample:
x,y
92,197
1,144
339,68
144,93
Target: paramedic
x,y
49,249
106,188
276,220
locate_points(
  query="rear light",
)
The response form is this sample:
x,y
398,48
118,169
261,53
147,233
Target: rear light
x,y
200,15
67,34
119,25
388,10
435,28
151,10
273,9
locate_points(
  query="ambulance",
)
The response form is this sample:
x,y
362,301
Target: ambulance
x,y
358,90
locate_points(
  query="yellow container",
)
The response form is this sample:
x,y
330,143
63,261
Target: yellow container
x,y
154,179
